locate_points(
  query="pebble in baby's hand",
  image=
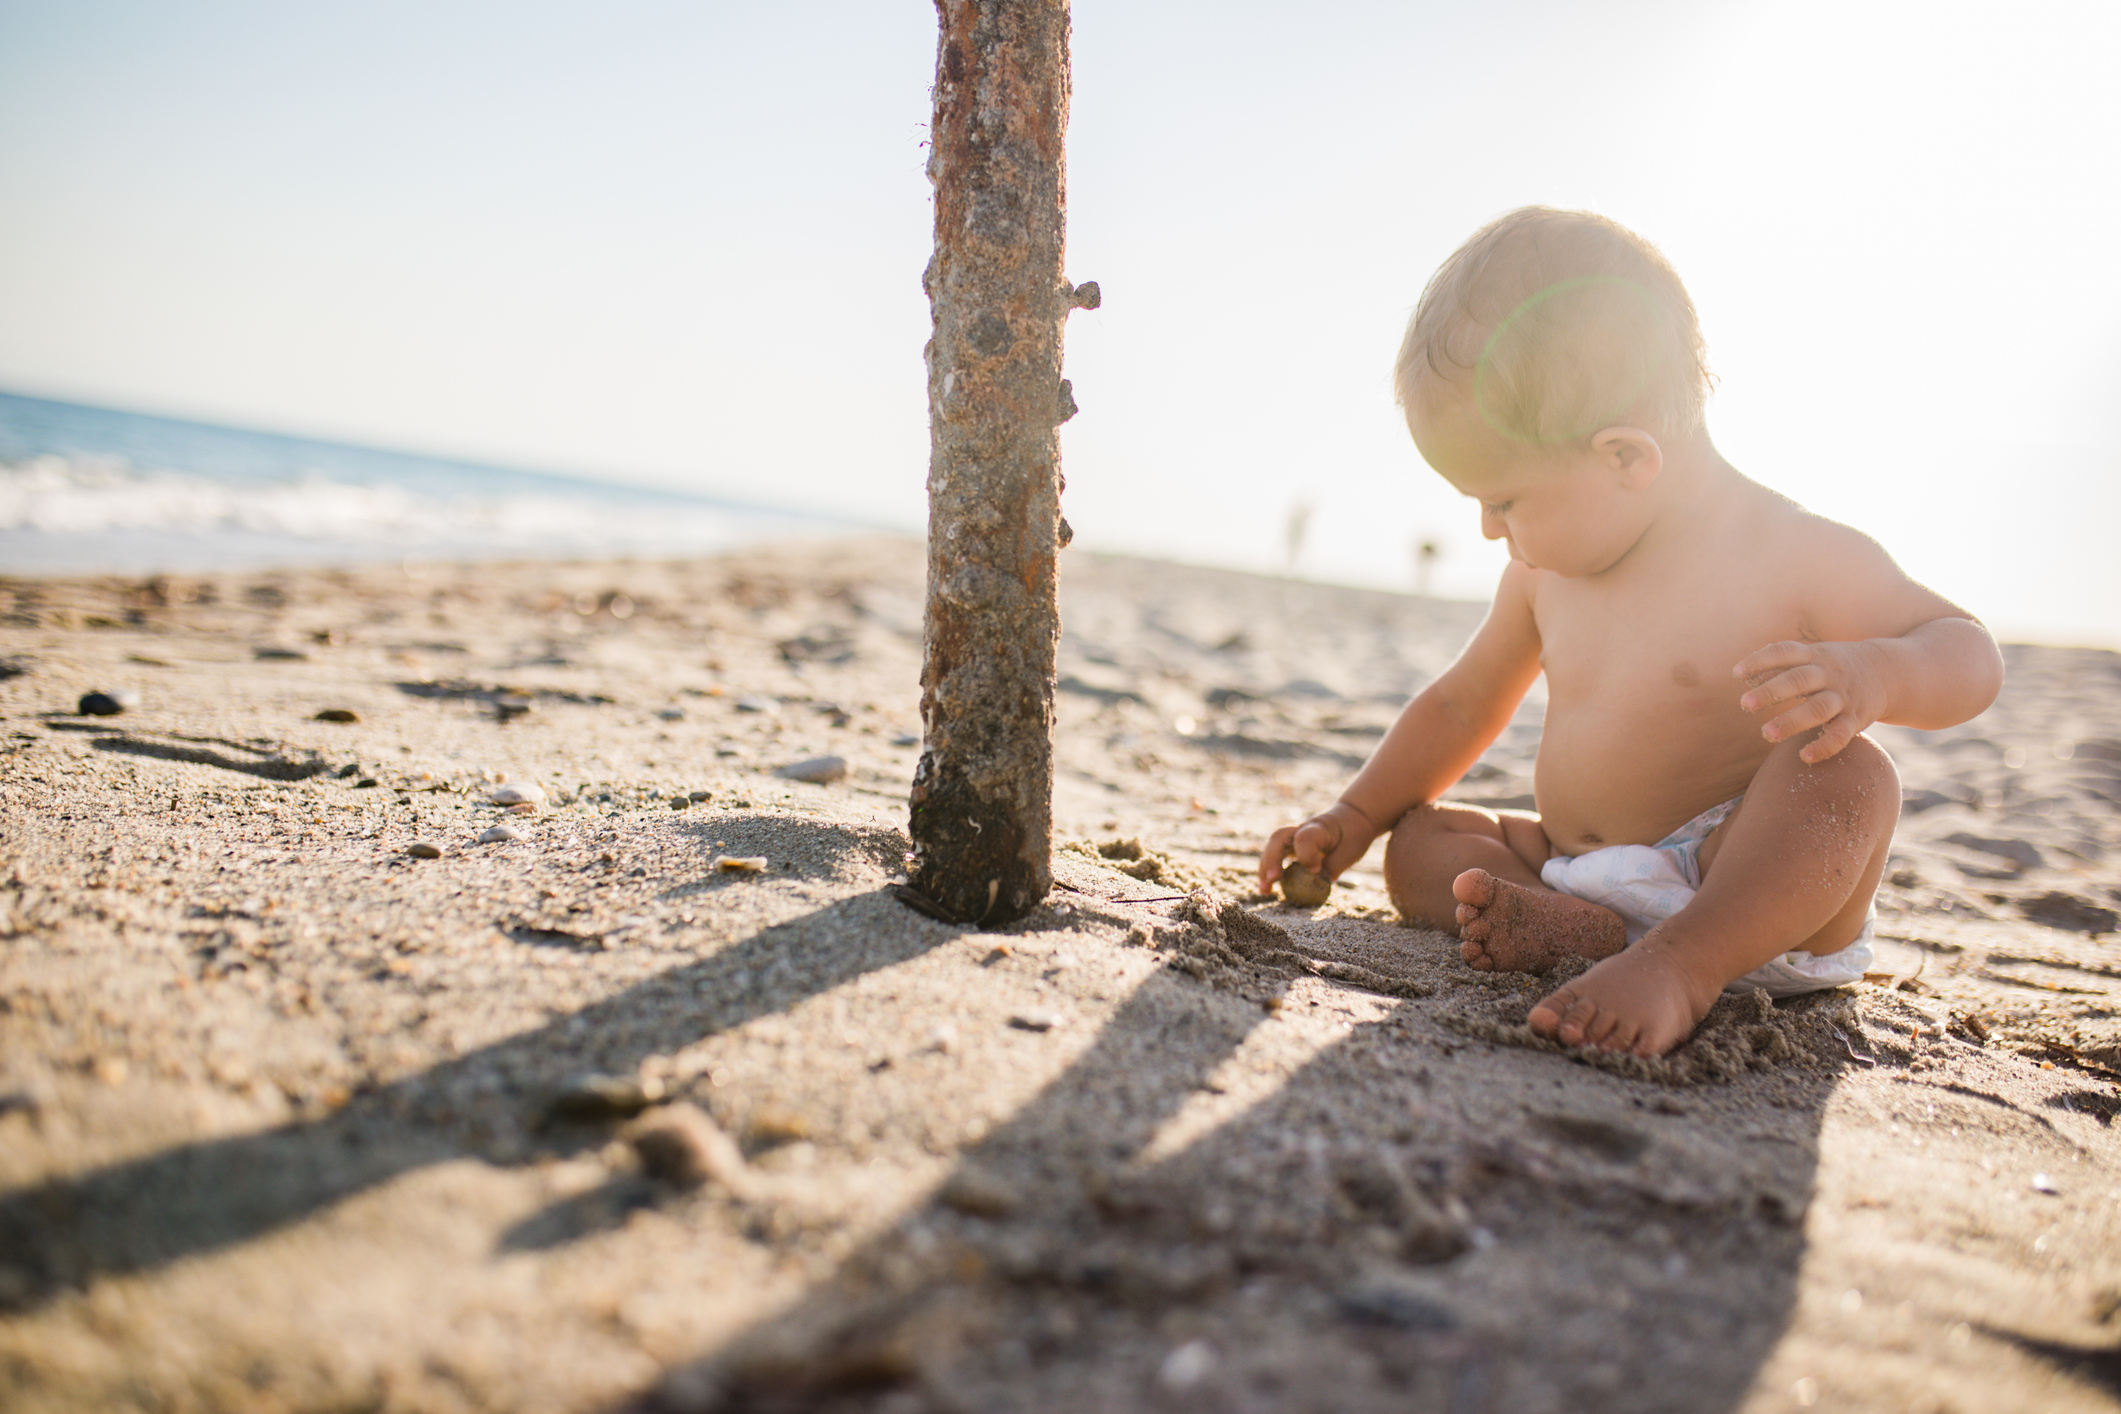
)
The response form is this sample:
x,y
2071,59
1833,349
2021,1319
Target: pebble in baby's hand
x,y
1306,888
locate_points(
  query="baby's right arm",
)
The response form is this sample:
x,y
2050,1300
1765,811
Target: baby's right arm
x,y
1438,735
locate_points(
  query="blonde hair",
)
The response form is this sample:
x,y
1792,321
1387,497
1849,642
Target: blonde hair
x,y
1568,322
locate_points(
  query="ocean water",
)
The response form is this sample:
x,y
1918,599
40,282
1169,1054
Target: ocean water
x,y
95,490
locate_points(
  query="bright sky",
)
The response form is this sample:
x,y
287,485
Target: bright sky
x,y
680,243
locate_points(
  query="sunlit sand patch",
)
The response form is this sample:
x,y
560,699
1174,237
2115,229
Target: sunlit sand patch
x,y
1262,1064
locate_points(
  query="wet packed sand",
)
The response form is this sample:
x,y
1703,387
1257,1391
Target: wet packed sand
x,y
588,1120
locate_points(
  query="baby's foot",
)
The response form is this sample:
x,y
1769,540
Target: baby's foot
x,y
1639,1000
1508,927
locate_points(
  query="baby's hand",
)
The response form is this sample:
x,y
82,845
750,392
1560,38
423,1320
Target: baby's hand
x,y
1328,843
1833,686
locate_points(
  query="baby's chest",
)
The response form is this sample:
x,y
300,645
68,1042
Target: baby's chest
x,y
1668,654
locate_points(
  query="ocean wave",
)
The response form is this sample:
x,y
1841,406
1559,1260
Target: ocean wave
x,y
92,495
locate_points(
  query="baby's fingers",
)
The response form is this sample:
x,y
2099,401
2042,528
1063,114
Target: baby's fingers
x,y
1832,737
1801,681
1270,858
1771,659
1815,711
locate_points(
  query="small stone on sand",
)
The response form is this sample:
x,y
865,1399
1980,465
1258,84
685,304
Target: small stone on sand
x,y
1037,1019
501,834
422,849
597,1096
681,1144
1305,888
107,704
741,864
978,1192
338,714
818,770
519,793
757,704
1184,1368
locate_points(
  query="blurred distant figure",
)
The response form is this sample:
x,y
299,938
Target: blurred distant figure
x,y
1299,526
1425,553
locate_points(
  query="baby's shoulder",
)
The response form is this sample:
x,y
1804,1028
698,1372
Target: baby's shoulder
x,y
1779,529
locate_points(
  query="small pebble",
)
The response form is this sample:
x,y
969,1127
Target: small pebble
x,y
1305,888
519,793
681,1144
501,834
979,1193
772,1126
741,864
338,714
281,655
521,807
672,714
1185,1367
2043,1184
107,704
757,704
699,796
421,849
1037,1019
599,1096
818,770
906,739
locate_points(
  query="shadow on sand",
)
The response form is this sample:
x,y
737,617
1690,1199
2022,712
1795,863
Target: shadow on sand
x,y
1410,1219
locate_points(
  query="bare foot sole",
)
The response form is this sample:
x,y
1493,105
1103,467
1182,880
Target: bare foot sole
x,y
1637,1001
1507,927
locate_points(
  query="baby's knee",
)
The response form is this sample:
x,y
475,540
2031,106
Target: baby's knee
x,y
1861,773
1865,766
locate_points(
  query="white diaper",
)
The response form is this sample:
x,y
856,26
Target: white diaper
x,y
1646,884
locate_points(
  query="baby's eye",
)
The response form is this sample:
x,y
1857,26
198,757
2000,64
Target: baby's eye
x,y
1497,508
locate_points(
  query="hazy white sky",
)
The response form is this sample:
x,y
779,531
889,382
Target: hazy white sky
x,y
681,243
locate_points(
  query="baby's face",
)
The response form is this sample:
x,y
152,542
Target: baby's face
x,y
1559,509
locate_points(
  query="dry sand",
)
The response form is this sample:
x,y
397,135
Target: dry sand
x,y
292,1121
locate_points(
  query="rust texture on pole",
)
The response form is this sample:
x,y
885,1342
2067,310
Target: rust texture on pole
x,y
983,793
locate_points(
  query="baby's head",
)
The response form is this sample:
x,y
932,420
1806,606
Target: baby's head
x,y
1556,324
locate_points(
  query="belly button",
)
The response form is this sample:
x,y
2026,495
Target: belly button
x,y
1685,674
1594,839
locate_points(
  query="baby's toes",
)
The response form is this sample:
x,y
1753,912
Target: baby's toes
x,y
1475,887
1609,1032
1467,913
1578,1016
1475,952
1547,1016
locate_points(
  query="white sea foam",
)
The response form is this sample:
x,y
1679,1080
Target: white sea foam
x,y
70,505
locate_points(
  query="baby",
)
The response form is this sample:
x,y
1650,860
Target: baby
x,y
1710,814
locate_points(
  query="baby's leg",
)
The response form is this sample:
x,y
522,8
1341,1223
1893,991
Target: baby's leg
x,y
1476,872
1793,868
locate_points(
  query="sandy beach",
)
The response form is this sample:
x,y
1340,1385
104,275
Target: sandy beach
x,y
645,1091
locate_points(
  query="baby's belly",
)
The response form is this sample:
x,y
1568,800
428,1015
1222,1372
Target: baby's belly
x,y
1606,783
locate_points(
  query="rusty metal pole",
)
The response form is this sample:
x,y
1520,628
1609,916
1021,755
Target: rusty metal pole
x,y
983,793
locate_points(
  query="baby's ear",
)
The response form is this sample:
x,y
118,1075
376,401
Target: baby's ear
x,y
1631,453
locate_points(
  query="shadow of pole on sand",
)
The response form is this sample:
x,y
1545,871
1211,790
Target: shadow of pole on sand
x,y
1357,1239
200,1197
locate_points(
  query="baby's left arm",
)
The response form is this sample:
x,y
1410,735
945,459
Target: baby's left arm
x,y
1889,650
